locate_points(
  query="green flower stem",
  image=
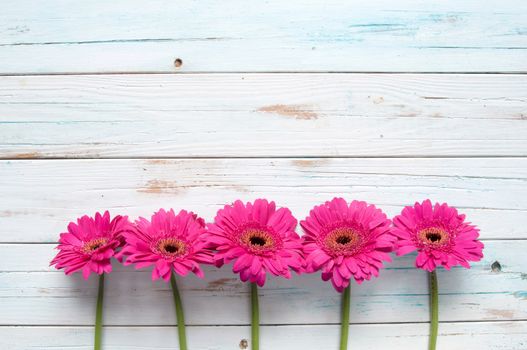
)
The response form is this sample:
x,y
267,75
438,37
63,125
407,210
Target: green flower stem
x,y
255,318
98,314
345,322
434,314
179,314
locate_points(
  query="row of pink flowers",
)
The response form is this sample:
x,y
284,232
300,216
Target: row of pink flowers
x,y
342,240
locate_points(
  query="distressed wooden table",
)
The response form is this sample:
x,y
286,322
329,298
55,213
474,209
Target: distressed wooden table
x,y
136,105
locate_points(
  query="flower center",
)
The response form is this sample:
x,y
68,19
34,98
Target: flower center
x,y
171,247
257,239
433,235
93,245
342,241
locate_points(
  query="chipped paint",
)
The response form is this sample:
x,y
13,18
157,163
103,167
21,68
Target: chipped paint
x,y
158,161
10,213
28,155
507,314
221,282
161,186
240,188
378,100
303,112
308,163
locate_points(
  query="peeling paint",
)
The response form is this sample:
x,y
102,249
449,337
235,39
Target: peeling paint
x,y
295,111
240,188
221,282
9,213
378,100
308,163
508,314
28,155
158,161
161,186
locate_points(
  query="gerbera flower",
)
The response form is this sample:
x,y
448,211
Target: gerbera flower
x,y
346,241
259,238
439,234
90,244
442,238
170,242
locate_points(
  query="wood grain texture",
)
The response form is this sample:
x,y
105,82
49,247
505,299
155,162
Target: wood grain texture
x,y
263,115
263,105
211,36
453,336
41,196
33,294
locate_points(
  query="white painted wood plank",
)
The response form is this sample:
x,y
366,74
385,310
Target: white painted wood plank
x,y
31,293
39,197
337,35
258,55
234,115
452,336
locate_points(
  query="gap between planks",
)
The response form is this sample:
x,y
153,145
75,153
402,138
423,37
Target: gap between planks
x,y
261,324
26,157
257,73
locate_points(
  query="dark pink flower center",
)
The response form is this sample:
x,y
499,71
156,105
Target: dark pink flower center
x,y
433,235
91,246
342,241
171,247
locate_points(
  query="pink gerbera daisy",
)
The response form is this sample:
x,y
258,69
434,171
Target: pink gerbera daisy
x,y
90,244
439,234
346,241
442,238
170,242
259,238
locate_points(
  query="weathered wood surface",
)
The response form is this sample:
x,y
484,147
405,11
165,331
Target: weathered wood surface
x,y
41,196
31,293
279,116
255,115
453,336
273,36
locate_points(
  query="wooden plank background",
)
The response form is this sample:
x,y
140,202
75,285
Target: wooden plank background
x,y
240,36
297,101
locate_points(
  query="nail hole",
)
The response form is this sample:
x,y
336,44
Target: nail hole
x,y
496,266
244,344
178,62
